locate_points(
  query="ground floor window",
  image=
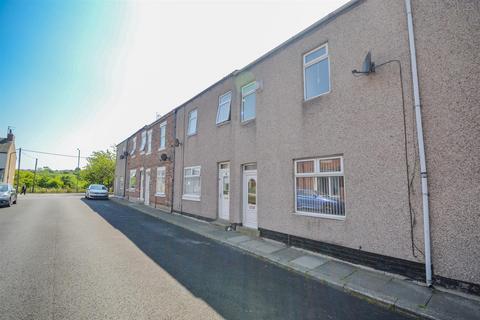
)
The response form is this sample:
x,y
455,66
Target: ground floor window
x,y
191,183
133,179
160,181
319,187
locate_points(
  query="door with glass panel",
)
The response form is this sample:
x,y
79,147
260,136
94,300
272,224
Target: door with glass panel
x,y
224,191
147,187
141,184
250,218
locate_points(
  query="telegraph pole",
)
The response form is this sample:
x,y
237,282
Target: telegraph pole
x,y
78,168
18,171
34,175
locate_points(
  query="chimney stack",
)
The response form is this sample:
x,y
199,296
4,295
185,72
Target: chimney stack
x,y
10,136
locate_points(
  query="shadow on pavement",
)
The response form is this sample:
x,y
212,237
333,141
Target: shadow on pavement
x,y
235,284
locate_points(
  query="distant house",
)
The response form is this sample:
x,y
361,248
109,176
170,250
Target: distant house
x,y
144,170
8,158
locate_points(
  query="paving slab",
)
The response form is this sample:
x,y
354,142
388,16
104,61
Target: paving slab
x,y
221,234
260,246
445,305
238,239
409,295
308,262
333,272
370,283
285,255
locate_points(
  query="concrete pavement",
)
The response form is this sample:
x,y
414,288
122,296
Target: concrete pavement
x,y
393,291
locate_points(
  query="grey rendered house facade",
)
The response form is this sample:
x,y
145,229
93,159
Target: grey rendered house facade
x,y
317,157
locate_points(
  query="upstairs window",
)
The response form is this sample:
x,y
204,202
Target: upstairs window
x,y
192,123
144,141
191,183
248,102
149,141
319,187
316,72
163,135
223,112
134,146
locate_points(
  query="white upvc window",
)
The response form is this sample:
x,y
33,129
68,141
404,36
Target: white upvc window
x,y
192,122
223,111
319,187
134,146
316,72
163,135
248,111
191,183
160,182
149,141
143,142
133,180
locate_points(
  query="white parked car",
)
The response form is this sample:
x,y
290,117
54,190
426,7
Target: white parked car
x,y
96,191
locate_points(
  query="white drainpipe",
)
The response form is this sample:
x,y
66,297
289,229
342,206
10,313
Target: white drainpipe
x,y
421,147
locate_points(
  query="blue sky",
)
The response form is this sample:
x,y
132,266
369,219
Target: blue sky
x,y
86,74
51,59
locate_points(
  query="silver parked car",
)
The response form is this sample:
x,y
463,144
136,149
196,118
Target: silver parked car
x,y
8,195
96,191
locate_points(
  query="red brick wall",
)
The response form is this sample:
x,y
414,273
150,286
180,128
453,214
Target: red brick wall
x,y
152,161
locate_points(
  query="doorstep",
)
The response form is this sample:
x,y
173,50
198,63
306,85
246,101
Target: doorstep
x,y
390,290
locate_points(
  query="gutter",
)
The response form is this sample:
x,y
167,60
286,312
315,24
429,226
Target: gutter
x,y
421,145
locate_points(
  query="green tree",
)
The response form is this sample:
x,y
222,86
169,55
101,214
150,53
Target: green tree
x,y
26,177
42,181
55,183
67,181
100,168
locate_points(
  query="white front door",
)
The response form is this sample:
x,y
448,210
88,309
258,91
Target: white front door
x,y
141,184
224,191
250,219
147,187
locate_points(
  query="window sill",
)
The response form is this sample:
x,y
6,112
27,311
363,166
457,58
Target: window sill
x,y
162,149
191,135
142,152
190,197
131,189
223,123
319,215
248,122
313,100
160,195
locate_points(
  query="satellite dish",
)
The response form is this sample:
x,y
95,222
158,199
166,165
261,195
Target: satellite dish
x,y
177,142
163,157
368,66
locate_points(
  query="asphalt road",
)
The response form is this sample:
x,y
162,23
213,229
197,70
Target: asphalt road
x,y
63,257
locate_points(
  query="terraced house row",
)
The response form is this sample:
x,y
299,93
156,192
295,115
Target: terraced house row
x,y
377,166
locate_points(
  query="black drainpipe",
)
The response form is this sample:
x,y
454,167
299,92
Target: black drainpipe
x,y
125,154
173,159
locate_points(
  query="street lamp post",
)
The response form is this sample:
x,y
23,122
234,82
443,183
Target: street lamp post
x,y
78,169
